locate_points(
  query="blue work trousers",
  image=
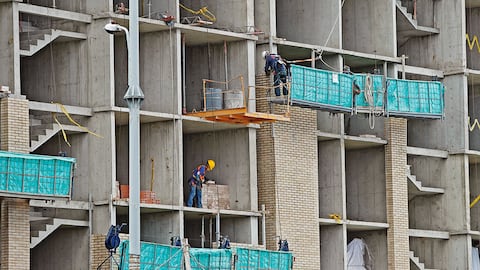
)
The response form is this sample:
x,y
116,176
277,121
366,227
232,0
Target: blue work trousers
x,y
195,192
277,80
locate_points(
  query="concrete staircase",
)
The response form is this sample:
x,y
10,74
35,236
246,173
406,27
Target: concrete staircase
x,y
41,227
416,261
407,25
415,187
33,41
40,133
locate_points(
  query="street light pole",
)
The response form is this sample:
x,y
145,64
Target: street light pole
x,y
134,97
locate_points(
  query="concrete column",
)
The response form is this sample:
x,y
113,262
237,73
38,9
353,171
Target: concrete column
x,y
14,125
10,46
15,234
397,193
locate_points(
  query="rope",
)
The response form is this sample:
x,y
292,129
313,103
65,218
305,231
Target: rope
x,y
368,93
202,11
73,121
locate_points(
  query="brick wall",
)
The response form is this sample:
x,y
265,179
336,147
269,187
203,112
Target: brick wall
x,y
288,183
98,251
15,234
397,193
14,125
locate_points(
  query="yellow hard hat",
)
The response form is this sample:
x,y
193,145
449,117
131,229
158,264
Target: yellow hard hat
x,y
211,164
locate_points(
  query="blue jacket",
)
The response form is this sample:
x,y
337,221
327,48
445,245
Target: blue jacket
x,y
273,63
198,173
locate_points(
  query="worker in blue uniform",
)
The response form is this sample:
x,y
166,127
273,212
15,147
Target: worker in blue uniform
x,y
196,180
274,63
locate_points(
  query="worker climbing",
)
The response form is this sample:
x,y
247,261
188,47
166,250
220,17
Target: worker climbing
x,y
274,63
196,181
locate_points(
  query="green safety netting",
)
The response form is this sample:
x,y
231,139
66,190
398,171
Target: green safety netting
x,y
333,91
36,174
214,259
415,98
377,90
321,88
163,257
153,256
263,259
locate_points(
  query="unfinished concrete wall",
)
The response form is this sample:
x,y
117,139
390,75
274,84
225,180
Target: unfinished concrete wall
x,y
425,13
159,148
159,227
362,124
448,134
446,50
231,151
95,175
153,9
70,5
369,27
473,32
158,144
158,71
9,46
473,116
333,247
68,242
330,178
63,77
365,184
100,85
376,242
443,212
474,188
229,13
212,63
265,18
435,253
121,69
331,123
310,21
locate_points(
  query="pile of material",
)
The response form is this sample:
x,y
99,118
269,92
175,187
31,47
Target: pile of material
x,y
215,196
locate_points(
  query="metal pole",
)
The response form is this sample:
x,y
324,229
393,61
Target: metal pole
x,y
134,97
218,229
264,227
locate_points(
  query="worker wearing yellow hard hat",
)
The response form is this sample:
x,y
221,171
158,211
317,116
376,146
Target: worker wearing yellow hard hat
x,y
196,180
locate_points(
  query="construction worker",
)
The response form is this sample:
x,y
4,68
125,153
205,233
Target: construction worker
x,y
274,63
196,180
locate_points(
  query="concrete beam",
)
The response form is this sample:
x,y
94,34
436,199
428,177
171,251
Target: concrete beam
x,y
338,51
423,71
63,204
52,107
54,13
428,234
418,151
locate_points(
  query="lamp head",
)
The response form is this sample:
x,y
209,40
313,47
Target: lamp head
x,y
112,28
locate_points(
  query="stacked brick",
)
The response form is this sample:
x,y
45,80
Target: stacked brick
x,y
397,193
14,125
288,183
215,196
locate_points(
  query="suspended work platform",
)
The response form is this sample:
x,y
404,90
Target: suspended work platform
x,y
227,102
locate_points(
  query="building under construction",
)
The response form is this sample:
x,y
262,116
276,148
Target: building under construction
x,y
378,138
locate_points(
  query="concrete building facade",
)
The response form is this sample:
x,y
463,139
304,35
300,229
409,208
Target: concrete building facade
x,y
402,184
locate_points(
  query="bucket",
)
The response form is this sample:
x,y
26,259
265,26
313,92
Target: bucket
x,y
233,99
213,99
